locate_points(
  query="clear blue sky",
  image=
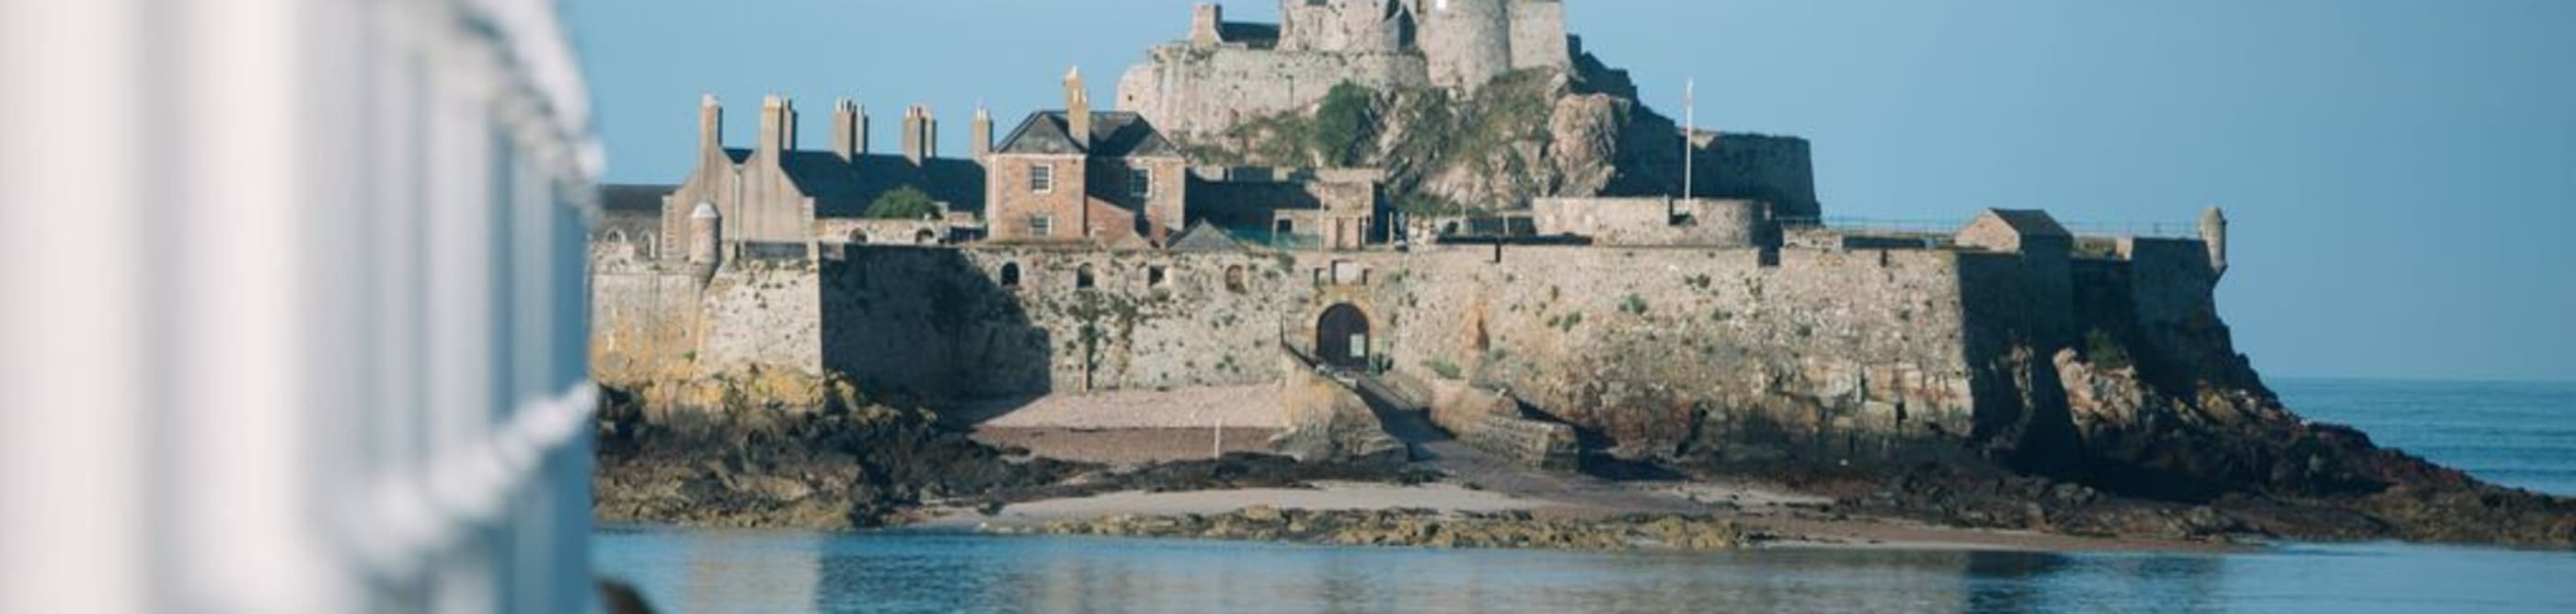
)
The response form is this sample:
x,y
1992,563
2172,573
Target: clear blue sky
x,y
2401,173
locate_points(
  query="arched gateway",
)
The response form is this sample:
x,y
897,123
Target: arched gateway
x,y
1342,337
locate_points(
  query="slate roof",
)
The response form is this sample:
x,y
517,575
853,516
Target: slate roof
x,y
632,209
1114,134
1258,35
845,188
2030,222
1205,237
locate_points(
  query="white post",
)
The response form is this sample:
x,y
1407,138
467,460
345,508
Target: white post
x,y
1690,133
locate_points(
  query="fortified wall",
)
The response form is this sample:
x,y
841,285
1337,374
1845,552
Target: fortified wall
x,y
1751,351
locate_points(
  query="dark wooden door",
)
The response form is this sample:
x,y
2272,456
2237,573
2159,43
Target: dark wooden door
x,y
1342,338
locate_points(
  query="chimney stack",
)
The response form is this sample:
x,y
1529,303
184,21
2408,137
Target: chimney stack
x,y
849,129
1206,21
710,124
920,135
1077,109
983,137
777,126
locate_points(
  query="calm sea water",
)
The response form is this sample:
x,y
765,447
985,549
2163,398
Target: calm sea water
x,y
2521,434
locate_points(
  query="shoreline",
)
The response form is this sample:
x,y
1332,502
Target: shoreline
x,y
1782,520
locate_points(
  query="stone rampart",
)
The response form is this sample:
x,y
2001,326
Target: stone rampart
x,y
1657,221
1192,92
1000,322
1670,349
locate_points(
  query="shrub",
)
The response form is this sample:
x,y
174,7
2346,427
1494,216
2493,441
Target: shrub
x,y
902,203
1633,304
1445,369
1345,123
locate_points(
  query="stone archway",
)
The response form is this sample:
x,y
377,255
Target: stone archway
x,y
1342,337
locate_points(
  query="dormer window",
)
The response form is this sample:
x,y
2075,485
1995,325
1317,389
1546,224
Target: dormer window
x,y
1041,178
1140,182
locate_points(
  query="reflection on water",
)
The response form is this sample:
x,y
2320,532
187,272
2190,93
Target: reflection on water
x,y
698,571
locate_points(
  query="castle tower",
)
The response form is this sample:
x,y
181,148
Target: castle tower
x,y
849,129
1468,42
1077,108
2213,234
706,237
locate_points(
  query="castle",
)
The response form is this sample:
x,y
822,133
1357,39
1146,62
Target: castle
x,y
1086,253
1226,72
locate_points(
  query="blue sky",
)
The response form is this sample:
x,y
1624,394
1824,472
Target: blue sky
x,y
2401,174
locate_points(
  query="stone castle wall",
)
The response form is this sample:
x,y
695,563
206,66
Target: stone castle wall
x,y
1822,349
1657,221
1774,169
951,323
1188,92
1538,36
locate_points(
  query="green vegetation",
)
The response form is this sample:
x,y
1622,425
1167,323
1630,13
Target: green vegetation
x,y
1567,323
902,203
1633,305
2106,351
1444,368
1345,124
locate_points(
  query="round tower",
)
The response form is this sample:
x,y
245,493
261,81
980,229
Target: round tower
x,y
2213,234
706,236
1467,42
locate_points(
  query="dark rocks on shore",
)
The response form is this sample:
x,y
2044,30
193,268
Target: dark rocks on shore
x,y
869,465
1423,528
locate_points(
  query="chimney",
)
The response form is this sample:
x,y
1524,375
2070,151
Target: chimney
x,y
920,134
1205,23
983,138
710,124
1077,109
849,130
777,126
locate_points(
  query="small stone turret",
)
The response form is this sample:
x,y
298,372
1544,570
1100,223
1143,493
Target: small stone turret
x,y
2213,233
706,238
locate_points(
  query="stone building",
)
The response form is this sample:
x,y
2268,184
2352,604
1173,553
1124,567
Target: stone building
x,y
1084,176
1223,72
777,196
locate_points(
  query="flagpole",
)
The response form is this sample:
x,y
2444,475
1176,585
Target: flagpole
x,y
1690,134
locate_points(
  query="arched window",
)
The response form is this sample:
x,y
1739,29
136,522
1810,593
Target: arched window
x,y
858,236
1234,278
925,237
1082,278
1010,274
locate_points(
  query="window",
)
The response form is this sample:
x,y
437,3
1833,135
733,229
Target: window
x,y
1083,280
1010,275
1284,227
1140,182
1156,276
1041,225
1041,178
1234,278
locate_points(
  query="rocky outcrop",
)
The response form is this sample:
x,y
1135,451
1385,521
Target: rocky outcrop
x,y
1425,528
845,464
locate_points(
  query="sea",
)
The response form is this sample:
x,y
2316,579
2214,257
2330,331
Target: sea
x,y
2518,434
